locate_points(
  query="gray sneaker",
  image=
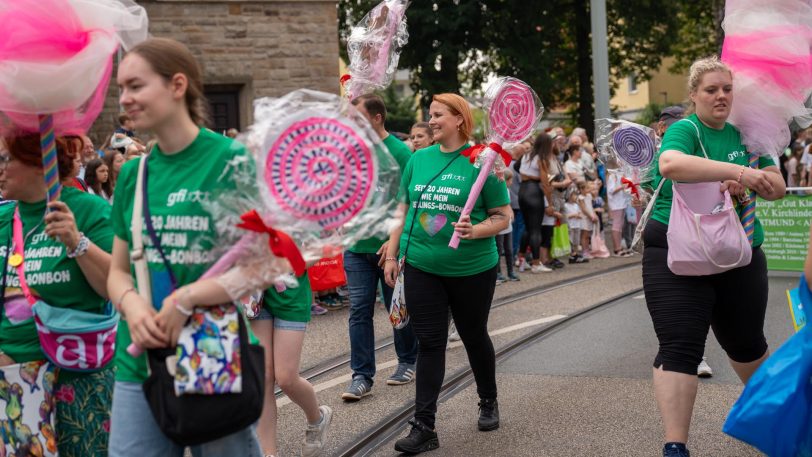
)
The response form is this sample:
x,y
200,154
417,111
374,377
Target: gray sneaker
x,y
316,434
403,375
359,388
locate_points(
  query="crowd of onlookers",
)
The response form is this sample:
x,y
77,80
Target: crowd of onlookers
x,y
796,164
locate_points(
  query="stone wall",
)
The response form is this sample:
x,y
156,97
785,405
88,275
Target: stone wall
x,y
261,47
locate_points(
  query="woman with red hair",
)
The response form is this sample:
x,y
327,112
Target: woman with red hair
x,y
434,189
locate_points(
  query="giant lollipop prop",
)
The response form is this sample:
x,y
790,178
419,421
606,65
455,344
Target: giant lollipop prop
x,y
634,146
56,63
374,48
514,110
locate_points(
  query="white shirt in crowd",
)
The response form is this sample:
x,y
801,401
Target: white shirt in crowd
x,y
617,200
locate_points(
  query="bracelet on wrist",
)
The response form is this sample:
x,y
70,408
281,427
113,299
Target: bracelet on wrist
x,y
121,298
741,173
81,247
185,291
391,259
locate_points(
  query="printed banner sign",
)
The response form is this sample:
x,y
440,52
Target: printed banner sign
x,y
786,231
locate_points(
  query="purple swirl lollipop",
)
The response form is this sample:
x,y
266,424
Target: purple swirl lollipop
x,y
634,146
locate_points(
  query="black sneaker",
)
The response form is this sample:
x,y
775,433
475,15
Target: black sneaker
x,y
557,263
420,439
488,414
675,450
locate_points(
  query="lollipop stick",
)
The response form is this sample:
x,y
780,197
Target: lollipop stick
x,y
484,171
49,163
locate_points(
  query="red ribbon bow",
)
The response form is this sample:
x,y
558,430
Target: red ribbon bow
x,y
633,188
473,152
344,78
281,243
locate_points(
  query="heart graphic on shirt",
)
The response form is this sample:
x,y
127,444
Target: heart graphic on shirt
x,y
432,225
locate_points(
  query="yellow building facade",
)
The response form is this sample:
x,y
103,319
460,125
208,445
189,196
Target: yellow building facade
x,y
664,88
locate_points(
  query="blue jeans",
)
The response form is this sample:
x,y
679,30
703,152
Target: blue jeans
x,y
363,276
134,433
518,229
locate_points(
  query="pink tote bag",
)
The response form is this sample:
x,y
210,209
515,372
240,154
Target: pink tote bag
x,y
705,236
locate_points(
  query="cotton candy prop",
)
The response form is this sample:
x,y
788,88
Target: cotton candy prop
x,y
374,48
628,147
514,110
767,47
56,63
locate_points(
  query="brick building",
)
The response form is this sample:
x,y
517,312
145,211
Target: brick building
x,y
248,49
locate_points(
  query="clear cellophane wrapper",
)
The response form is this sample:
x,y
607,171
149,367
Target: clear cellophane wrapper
x,y
374,47
768,48
56,58
319,173
627,147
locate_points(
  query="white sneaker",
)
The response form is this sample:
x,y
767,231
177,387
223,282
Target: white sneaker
x,y
540,268
316,435
704,370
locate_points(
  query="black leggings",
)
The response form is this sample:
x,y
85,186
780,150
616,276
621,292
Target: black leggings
x,y
682,308
429,298
504,245
531,203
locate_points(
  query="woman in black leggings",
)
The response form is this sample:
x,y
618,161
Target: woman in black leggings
x,y
734,302
437,278
535,183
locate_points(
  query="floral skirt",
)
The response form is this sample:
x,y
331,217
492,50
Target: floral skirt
x,y
83,413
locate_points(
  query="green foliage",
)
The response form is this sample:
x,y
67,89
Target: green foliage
x,y
456,45
651,113
401,112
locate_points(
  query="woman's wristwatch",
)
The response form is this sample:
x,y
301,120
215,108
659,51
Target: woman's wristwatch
x,y
81,247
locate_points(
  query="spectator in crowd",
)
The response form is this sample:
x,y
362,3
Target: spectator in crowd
x,y
531,198
504,243
586,160
96,176
71,178
518,218
88,153
232,133
114,160
576,219
125,125
421,136
574,167
793,166
619,200
587,223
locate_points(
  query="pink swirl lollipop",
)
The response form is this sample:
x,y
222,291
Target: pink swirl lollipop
x,y
514,110
512,114
313,170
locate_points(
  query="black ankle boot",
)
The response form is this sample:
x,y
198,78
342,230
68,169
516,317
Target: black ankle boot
x,y
420,439
488,414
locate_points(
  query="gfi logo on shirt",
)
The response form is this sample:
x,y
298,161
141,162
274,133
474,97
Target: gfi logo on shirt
x,y
735,155
448,176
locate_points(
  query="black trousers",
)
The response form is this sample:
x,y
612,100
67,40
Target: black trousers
x,y
428,299
682,308
531,203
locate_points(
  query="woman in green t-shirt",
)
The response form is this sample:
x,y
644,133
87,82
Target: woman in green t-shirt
x,y
684,307
434,188
66,263
162,92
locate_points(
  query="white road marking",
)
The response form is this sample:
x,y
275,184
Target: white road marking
x,y
640,297
284,400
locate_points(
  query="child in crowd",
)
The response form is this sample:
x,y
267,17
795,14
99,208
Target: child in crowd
x,y
585,204
551,216
504,243
575,220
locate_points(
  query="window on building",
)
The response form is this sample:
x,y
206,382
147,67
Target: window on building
x,y
225,106
632,83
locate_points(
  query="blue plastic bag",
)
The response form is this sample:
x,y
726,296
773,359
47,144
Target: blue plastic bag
x,y
773,412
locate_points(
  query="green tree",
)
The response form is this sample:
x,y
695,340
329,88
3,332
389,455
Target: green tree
x,y
699,32
401,112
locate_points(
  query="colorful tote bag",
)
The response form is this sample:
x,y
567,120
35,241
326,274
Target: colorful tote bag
x,y
398,316
27,399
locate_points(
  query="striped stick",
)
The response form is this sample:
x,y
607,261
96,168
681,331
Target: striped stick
x,y
49,163
748,215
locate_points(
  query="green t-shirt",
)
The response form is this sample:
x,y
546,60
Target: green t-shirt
x,y
292,304
178,184
440,205
723,145
50,274
402,154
